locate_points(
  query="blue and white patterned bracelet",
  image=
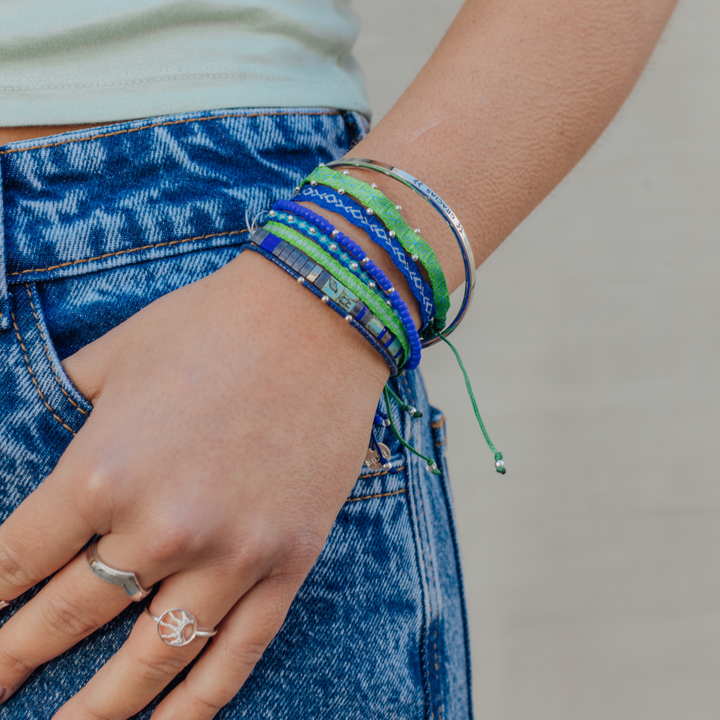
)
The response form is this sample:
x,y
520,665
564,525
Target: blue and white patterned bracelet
x,y
354,212
331,292
377,274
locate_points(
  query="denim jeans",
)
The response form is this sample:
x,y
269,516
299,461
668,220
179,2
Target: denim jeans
x,y
95,224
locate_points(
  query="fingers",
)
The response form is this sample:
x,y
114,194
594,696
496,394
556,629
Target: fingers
x,y
69,608
241,640
145,663
45,532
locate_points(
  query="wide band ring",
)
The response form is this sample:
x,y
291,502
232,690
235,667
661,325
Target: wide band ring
x,y
178,627
124,578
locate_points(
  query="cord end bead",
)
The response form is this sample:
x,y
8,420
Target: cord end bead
x,y
433,468
500,463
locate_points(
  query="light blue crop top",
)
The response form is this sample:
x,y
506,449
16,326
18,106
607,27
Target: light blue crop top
x,y
81,61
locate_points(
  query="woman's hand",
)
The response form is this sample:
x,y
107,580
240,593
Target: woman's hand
x,y
231,419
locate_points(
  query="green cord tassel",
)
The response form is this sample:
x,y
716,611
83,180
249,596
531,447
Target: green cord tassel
x,y
414,412
432,465
499,462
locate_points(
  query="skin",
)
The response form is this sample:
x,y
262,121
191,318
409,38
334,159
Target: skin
x,y
191,476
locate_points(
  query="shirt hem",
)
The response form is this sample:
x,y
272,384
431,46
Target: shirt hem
x,y
92,103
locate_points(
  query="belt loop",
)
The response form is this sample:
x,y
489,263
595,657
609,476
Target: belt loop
x,y
4,304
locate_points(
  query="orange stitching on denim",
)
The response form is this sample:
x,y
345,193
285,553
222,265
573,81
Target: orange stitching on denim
x,y
167,122
413,401
125,252
381,495
32,375
47,352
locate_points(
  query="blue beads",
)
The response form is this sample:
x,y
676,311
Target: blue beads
x,y
352,211
356,251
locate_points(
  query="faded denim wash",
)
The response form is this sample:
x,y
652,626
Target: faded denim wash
x,y
97,224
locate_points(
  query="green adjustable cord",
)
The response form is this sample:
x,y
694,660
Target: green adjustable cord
x,y
432,465
414,412
499,462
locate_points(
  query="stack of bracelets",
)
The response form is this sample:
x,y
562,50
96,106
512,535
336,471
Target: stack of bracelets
x,y
338,271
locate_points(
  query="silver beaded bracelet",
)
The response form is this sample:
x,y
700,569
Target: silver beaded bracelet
x,y
447,214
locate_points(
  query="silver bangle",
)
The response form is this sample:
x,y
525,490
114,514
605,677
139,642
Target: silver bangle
x,y
448,215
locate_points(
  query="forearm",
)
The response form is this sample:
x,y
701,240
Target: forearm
x,y
511,99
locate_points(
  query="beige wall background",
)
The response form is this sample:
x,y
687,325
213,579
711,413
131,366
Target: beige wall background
x,y
593,567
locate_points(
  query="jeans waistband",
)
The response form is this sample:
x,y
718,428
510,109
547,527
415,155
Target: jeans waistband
x,y
92,199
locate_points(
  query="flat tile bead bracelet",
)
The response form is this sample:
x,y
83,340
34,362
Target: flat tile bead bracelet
x,y
376,304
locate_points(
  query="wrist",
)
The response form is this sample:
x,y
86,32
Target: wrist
x,y
295,329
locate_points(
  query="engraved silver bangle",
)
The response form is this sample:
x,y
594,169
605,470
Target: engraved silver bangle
x,y
125,579
447,214
178,627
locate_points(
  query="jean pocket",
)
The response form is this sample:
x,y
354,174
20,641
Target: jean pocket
x,y
80,309
53,387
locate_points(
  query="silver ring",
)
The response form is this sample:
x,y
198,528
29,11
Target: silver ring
x,y
127,580
178,627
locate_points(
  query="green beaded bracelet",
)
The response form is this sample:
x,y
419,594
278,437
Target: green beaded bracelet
x,y
326,243
379,204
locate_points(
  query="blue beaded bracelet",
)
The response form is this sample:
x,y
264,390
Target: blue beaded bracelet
x,y
354,212
326,287
396,300
328,244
